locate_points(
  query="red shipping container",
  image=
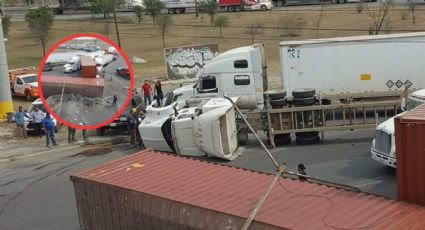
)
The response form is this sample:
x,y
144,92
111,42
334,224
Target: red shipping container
x,y
88,67
154,190
410,149
87,87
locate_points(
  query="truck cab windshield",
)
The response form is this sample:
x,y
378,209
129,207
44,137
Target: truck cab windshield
x,y
30,79
411,104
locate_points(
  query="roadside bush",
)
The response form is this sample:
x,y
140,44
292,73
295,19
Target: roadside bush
x,y
359,7
292,25
404,15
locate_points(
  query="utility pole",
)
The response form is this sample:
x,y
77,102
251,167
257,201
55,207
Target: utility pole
x,y
6,104
116,24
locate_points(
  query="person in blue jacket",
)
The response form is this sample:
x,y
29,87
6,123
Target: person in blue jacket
x,y
20,123
49,128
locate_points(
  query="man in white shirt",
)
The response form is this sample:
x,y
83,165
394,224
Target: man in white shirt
x,y
37,116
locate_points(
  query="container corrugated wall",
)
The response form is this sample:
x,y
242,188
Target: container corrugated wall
x,y
53,85
107,207
410,150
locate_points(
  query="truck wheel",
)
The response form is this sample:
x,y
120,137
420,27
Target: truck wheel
x,y
183,10
242,136
101,131
303,93
304,101
307,134
237,8
278,102
281,3
263,8
28,96
276,94
307,140
282,139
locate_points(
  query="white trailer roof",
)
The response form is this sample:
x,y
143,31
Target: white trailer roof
x,y
351,39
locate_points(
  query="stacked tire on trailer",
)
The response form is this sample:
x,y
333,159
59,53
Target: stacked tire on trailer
x,y
305,97
277,100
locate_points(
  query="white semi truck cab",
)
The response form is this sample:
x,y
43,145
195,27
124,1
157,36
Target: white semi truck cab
x,y
383,145
74,64
238,72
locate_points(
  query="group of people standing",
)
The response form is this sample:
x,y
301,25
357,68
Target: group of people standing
x,y
40,121
147,92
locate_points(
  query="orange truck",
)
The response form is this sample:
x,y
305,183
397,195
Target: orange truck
x,y
24,83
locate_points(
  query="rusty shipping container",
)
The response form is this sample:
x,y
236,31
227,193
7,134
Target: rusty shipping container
x,y
410,149
87,87
88,67
153,190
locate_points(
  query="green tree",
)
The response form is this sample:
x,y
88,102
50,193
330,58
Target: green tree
x,y
253,30
164,22
209,7
105,7
221,21
153,8
5,20
138,11
39,22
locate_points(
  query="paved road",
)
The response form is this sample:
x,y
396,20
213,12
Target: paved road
x,y
37,193
19,15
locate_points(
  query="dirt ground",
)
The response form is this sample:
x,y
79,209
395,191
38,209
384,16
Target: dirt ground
x,y
142,40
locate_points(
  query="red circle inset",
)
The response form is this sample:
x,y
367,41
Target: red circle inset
x,y
130,91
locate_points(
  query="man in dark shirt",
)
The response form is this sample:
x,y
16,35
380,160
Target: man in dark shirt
x,y
132,125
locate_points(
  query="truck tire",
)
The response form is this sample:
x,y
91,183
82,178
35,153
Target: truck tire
x,y
307,140
238,8
179,11
281,3
307,134
263,8
304,101
282,139
278,103
276,94
303,93
242,136
101,131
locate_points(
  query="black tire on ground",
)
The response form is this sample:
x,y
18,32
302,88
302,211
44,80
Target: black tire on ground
x,y
276,94
282,139
101,131
28,96
304,101
238,8
278,102
263,8
242,136
303,93
307,134
183,10
307,140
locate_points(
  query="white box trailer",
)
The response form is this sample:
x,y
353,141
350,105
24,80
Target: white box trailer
x,y
359,66
180,6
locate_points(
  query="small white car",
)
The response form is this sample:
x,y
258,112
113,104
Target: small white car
x,y
262,5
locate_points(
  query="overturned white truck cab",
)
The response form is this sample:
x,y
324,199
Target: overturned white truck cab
x,y
328,84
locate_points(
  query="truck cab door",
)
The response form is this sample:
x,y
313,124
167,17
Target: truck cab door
x,y
19,86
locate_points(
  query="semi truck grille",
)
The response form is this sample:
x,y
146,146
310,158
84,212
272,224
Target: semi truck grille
x,y
383,141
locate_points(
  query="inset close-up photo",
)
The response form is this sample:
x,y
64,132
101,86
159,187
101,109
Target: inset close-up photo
x,y
85,81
